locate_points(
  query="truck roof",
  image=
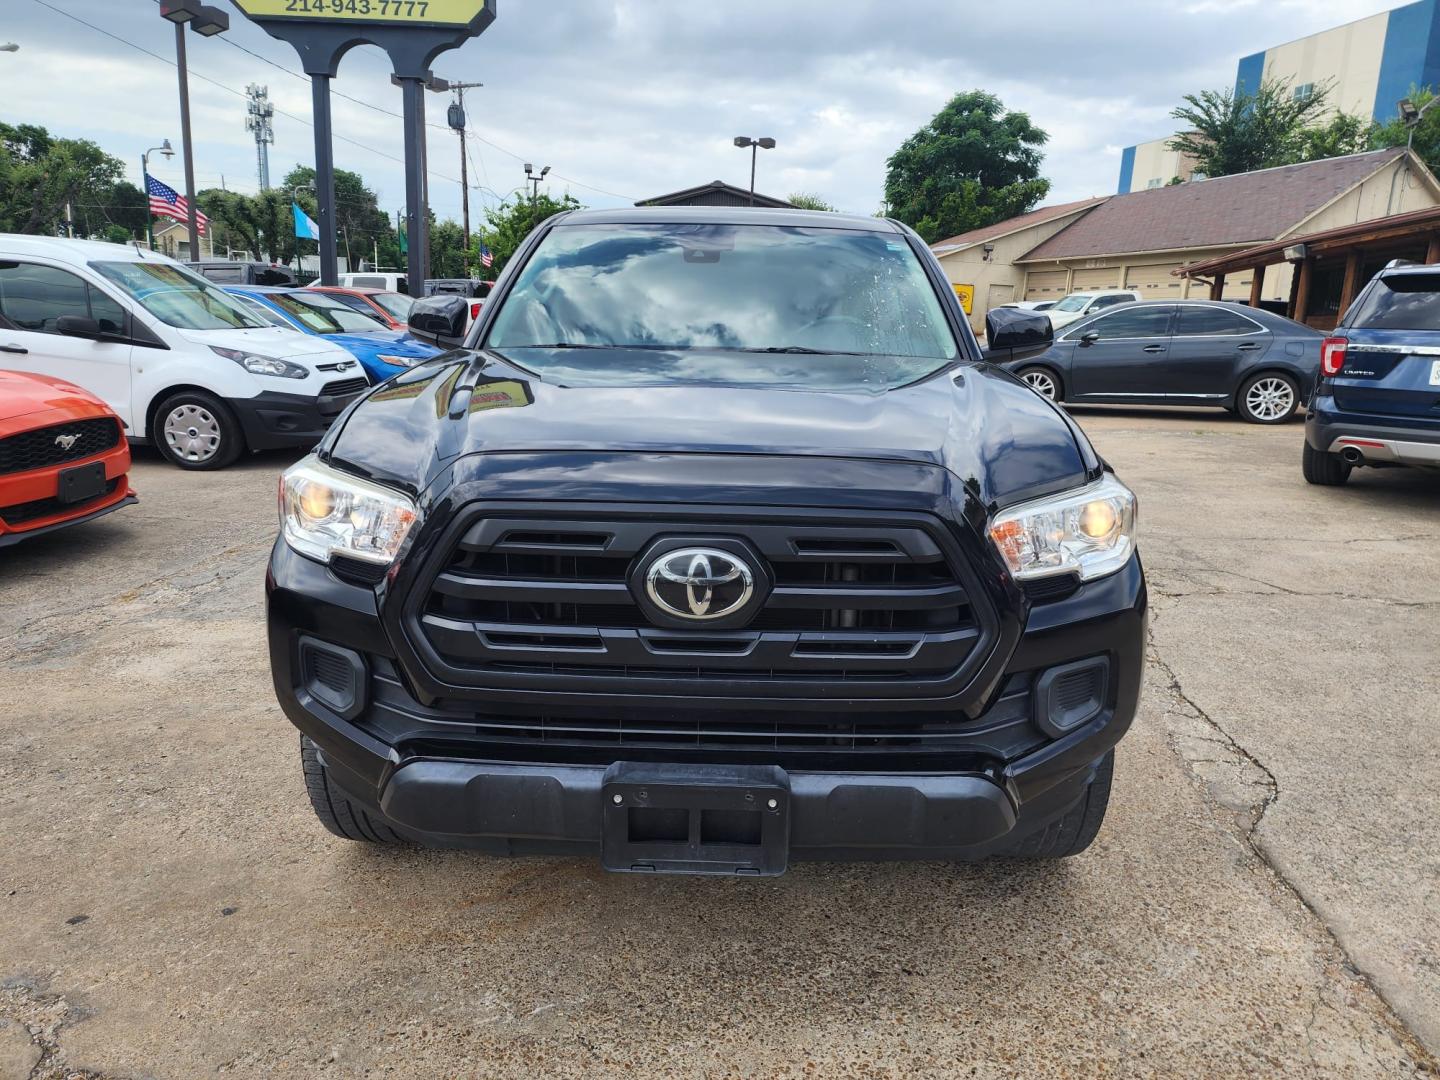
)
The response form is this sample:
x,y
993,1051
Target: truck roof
x,y
728,215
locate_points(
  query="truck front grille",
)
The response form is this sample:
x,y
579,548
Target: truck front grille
x,y
854,603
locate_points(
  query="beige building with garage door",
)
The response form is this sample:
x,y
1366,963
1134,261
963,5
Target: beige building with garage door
x,y
1141,240
985,259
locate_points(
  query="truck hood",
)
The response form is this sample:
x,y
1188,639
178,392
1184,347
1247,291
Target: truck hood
x,y
273,341
1001,439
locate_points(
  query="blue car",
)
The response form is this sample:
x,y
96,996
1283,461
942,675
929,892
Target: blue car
x,y
1378,404
382,352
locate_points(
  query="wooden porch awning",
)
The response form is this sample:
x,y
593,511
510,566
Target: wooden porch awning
x,y
1398,227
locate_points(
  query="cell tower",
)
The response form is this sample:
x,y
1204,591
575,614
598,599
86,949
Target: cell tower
x,y
258,116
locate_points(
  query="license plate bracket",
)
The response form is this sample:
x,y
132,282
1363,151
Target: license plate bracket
x,y
696,819
81,484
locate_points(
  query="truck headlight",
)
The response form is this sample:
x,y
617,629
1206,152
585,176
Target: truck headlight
x,y
324,512
1089,532
262,365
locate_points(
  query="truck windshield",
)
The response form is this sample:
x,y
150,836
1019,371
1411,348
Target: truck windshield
x,y
689,294
177,296
1400,302
1074,302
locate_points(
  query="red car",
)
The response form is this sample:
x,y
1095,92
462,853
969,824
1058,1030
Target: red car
x,y
64,458
390,308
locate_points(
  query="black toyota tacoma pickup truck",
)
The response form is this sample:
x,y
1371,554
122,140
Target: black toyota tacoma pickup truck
x,y
719,543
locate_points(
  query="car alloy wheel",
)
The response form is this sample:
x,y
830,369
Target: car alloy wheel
x,y
192,433
1270,399
1042,382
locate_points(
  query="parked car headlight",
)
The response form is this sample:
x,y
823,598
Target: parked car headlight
x,y
400,361
1089,532
262,365
324,512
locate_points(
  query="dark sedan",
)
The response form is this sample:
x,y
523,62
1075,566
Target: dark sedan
x,y
1186,352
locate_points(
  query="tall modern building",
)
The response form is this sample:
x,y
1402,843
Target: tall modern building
x,y
1372,64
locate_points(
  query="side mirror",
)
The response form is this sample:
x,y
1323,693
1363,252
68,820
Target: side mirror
x,y
440,320
81,326
1014,334
1089,338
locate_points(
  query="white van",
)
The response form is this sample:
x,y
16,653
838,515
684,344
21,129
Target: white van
x,y
389,282
186,367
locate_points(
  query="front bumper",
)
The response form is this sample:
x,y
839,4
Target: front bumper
x,y
275,421
989,790
1378,440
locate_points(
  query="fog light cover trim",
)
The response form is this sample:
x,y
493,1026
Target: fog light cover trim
x,y
1071,694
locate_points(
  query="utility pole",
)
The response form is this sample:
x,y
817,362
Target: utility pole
x,y
456,119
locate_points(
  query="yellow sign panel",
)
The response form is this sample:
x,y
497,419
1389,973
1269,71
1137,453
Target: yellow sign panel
x,y
966,293
390,12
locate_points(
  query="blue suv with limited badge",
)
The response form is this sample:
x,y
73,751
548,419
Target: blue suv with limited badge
x,y
1378,403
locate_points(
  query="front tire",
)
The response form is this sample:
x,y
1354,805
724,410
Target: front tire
x,y
1268,398
346,819
1075,831
1043,381
194,430
1322,468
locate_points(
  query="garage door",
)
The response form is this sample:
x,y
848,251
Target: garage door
x,y
1154,282
1085,280
1045,284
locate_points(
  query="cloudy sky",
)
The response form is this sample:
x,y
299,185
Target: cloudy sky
x,y
631,98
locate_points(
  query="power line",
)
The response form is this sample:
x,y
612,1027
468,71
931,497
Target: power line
x,y
229,89
388,112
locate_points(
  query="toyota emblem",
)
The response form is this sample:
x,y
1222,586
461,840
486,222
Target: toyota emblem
x,y
699,583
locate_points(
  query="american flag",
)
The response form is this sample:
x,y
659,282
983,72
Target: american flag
x,y
487,257
165,201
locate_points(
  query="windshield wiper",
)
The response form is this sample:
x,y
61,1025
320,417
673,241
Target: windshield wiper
x,y
557,345
805,349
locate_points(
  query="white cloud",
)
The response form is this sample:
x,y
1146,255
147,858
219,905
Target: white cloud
x,y
639,97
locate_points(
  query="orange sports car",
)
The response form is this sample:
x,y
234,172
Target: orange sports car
x,y
64,458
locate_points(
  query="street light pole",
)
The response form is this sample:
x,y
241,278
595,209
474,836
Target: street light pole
x,y
755,146
163,148
206,21
533,179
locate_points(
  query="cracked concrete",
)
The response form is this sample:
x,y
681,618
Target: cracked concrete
x,y
1260,900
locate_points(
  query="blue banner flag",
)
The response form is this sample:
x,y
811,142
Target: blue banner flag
x,y
305,227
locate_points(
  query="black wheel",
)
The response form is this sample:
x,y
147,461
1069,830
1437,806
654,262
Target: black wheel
x,y
1319,467
1073,833
337,813
1268,398
1043,381
195,430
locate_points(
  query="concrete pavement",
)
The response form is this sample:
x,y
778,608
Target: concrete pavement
x,y
1260,900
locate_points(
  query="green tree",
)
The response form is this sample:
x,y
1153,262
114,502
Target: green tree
x,y
975,163
510,222
447,250
805,200
1231,133
1395,132
1342,134
40,174
359,221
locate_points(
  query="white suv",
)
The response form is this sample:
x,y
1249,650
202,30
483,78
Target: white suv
x,y
1079,304
181,362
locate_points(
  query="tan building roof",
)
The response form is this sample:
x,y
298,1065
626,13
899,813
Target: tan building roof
x,y
1015,224
1247,208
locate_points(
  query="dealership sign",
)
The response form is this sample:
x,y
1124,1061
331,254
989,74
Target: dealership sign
x,y
457,14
